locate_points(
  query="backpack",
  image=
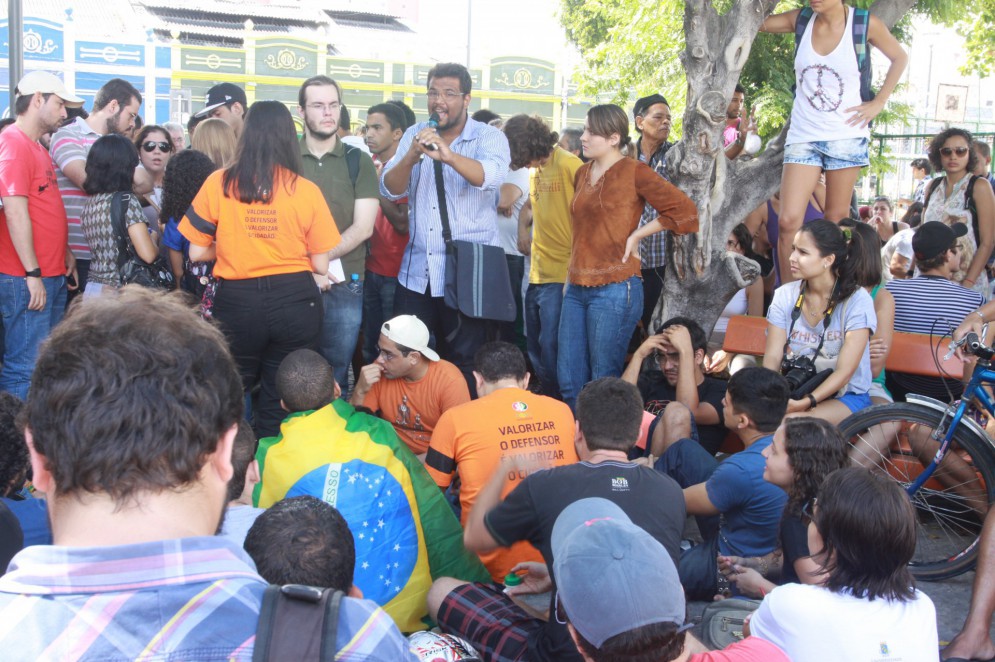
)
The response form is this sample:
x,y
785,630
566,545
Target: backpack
x,y
297,622
969,203
861,23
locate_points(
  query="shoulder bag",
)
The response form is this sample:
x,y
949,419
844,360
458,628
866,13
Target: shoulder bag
x,y
130,267
477,280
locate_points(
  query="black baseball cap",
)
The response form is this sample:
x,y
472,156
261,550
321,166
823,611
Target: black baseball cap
x,y
935,237
645,102
223,94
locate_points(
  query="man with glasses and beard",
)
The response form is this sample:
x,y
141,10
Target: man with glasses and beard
x,y
348,180
475,159
115,108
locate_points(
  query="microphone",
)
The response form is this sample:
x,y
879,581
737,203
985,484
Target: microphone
x,y
433,123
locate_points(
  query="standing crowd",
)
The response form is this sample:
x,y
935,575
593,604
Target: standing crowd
x,y
264,376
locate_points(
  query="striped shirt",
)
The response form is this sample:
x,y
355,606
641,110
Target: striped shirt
x,y
183,599
472,209
926,304
72,143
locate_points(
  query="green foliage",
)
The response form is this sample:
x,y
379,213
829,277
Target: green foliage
x,y
979,40
633,47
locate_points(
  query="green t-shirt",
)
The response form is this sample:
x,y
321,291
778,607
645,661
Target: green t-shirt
x,y
331,174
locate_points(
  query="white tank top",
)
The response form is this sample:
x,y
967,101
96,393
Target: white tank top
x,y
826,86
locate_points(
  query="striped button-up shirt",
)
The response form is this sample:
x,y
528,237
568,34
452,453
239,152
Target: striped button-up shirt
x,y
472,209
182,599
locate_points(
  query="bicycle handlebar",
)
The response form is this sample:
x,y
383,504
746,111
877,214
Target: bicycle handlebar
x,y
973,345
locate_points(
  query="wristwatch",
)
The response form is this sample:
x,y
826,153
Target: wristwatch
x,y
34,273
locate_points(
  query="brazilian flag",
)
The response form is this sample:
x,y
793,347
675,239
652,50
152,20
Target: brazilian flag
x,y
405,532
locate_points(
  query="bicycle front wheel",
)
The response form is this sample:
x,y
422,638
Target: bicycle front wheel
x,y
898,439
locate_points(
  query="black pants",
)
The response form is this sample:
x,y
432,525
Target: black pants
x,y
265,319
652,289
455,336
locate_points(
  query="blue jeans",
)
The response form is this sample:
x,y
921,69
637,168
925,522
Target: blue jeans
x,y
596,324
378,307
26,329
543,302
340,329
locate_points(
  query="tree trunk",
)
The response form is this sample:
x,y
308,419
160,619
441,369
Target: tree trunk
x,y
702,276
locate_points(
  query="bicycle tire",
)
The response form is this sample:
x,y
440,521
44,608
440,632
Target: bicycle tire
x,y
951,506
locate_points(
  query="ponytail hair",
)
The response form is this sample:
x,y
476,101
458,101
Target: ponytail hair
x,y
867,261
605,119
846,246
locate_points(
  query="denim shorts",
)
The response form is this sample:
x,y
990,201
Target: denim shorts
x,y
855,401
829,154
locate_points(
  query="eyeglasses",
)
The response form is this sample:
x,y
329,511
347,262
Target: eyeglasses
x,y
808,510
390,356
149,146
325,107
949,151
450,95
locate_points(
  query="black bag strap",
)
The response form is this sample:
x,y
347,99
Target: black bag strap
x,y
352,162
296,622
440,189
119,209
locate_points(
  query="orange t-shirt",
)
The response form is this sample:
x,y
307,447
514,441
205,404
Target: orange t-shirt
x,y
473,438
413,408
261,239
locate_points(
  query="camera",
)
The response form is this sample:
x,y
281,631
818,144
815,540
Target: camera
x,y
798,370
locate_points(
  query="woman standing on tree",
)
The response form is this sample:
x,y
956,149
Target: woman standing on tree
x,y
833,107
603,298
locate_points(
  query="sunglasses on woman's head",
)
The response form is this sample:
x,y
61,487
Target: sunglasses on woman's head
x,y
151,145
948,151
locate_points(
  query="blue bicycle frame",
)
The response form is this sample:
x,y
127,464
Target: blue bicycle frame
x,y
983,374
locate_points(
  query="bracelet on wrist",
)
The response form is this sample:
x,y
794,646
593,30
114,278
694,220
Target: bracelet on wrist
x,y
981,315
33,273
813,401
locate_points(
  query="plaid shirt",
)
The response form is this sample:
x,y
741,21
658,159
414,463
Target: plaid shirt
x,y
653,249
185,599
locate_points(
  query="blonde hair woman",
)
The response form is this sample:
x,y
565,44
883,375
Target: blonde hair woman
x,y
216,139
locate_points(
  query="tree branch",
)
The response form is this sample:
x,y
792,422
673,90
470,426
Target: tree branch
x,y
890,11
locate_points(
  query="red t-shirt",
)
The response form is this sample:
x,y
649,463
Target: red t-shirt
x,y
26,170
386,246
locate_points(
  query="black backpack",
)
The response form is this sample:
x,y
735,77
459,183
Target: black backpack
x,y
297,622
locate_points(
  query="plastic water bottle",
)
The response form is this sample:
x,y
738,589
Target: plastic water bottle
x,y
355,285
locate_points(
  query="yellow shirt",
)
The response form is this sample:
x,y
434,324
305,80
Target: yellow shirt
x,y
551,191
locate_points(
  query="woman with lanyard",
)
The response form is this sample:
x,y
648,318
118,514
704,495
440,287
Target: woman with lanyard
x,y
269,229
824,317
832,111
948,200
603,298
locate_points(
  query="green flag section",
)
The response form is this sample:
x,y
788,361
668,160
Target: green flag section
x,y
405,532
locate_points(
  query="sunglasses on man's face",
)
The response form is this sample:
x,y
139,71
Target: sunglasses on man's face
x,y
151,145
949,151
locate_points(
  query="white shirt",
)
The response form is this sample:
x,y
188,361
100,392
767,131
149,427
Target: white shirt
x,y
508,225
900,243
814,624
826,86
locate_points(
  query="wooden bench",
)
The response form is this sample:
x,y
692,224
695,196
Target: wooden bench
x,y
911,353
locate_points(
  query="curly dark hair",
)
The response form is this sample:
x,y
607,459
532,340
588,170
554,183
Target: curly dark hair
x,y
943,136
815,449
13,449
529,139
185,174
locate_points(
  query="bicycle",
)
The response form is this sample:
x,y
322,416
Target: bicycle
x,y
943,458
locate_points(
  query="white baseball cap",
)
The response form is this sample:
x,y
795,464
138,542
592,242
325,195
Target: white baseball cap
x,y
411,332
47,83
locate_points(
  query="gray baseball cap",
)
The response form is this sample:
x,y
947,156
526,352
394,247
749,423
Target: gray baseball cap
x,y
612,576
